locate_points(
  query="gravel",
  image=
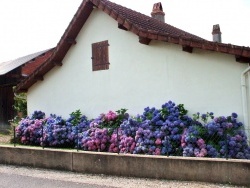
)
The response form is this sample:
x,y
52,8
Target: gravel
x,y
5,139
110,181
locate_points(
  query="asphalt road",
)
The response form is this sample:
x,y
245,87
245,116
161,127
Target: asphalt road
x,y
25,177
19,181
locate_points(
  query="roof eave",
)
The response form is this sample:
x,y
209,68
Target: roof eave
x,y
62,47
82,14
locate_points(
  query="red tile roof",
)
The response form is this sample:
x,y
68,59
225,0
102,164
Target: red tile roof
x,y
146,23
145,27
33,64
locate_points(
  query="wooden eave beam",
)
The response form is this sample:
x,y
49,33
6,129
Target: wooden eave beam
x,y
57,63
144,40
120,20
70,40
120,26
242,59
174,40
8,84
135,30
114,14
107,9
127,24
23,91
13,76
152,36
39,78
162,38
188,49
101,5
96,2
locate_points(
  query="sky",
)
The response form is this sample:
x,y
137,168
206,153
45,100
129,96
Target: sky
x,y
29,26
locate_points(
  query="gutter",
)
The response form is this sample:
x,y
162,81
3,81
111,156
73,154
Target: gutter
x,y
244,97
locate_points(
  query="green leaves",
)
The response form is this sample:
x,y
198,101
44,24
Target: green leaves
x,y
76,117
121,115
182,110
164,113
20,103
114,123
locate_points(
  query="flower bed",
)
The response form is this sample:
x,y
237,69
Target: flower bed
x,y
166,131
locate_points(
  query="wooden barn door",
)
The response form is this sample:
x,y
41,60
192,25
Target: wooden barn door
x,y
6,104
1,107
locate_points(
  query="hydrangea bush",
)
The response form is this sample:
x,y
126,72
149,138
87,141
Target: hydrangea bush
x,y
57,132
29,130
165,131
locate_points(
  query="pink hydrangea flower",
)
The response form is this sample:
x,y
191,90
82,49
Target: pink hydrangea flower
x,y
103,146
157,151
200,153
201,143
115,150
238,137
110,116
158,141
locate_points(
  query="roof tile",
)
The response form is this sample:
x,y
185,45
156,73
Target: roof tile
x,y
148,23
145,27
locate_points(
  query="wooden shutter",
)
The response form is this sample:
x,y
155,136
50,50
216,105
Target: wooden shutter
x,y
100,56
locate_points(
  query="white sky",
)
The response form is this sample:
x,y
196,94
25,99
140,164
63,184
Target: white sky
x,y
28,26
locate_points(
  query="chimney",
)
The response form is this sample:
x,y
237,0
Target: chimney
x,y
216,33
158,13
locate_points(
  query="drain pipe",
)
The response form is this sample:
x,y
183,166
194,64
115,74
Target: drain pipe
x,y
244,97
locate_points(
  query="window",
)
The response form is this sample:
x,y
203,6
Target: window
x,y
100,56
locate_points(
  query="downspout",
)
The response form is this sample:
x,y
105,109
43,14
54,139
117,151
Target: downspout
x,y
244,98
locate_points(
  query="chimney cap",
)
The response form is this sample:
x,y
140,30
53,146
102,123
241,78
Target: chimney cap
x,y
157,9
216,29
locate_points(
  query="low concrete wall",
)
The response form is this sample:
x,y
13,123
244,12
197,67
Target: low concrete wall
x,y
36,157
231,171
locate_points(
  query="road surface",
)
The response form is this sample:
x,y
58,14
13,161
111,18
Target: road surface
x,y
25,177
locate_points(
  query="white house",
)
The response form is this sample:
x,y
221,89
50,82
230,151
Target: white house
x,y
112,57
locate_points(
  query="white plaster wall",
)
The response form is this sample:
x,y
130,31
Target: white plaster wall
x,y
139,76
247,77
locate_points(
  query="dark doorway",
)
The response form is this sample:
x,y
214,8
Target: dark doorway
x,y
6,104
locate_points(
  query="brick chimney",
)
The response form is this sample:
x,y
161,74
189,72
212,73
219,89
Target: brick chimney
x,y
216,33
157,12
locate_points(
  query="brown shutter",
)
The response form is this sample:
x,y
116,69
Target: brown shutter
x,y
100,56
94,55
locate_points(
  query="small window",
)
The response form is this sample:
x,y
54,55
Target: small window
x,y
100,56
